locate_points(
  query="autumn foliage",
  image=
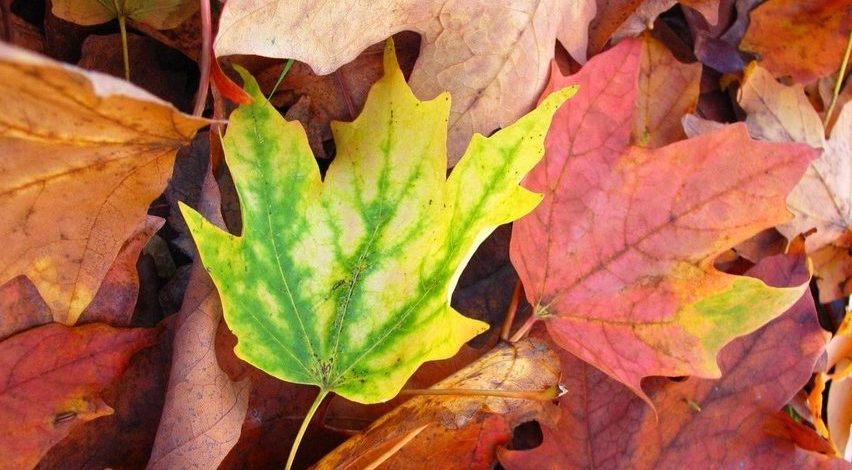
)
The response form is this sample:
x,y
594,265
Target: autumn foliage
x,y
417,234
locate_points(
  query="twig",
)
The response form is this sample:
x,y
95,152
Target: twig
x,y
511,310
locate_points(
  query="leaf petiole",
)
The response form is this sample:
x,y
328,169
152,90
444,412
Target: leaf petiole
x,y
305,422
122,26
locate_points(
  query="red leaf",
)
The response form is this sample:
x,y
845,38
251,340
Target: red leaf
x,y
698,422
51,379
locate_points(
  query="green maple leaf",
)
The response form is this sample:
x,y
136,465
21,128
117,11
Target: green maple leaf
x,y
345,283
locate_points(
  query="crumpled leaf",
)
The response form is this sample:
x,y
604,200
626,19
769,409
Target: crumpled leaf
x,y
159,14
51,377
803,40
204,409
698,422
823,198
461,431
618,259
345,283
84,156
492,59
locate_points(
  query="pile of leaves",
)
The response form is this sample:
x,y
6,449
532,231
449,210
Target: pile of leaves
x,y
579,234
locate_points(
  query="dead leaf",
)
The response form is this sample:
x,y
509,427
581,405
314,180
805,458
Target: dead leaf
x,y
493,78
204,409
803,40
463,431
21,307
52,376
86,154
667,91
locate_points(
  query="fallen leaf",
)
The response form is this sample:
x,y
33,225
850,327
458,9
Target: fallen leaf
x,y
372,256
709,9
204,408
160,14
803,40
116,297
618,259
85,156
123,439
463,431
823,198
492,60
21,307
604,425
667,91
52,376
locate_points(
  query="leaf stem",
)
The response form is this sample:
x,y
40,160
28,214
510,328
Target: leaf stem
x,y
838,82
524,329
280,78
511,310
122,25
308,417
540,395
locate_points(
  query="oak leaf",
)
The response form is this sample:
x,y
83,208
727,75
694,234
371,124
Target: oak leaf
x,y
460,431
803,40
618,258
345,283
698,422
492,58
84,156
52,376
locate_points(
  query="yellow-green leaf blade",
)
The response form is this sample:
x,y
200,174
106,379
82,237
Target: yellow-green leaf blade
x,y
345,283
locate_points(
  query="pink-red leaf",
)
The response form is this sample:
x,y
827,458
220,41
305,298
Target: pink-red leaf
x,y
618,258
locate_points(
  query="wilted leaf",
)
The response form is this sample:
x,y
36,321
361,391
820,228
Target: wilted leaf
x,y
698,422
823,198
492,59
204,408
667,90
52,376
84,156
618,259
345,283
803,40
462,431
160,14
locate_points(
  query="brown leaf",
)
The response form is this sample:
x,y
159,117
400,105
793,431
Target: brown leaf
x,y
85,155
463,431
667,91
116,297
204,408
52,376
493,61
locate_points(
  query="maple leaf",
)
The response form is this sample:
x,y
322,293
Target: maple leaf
x,y
51,376
84,156
461,431
823,198
492,58
345,283
618,258
803,40
604,425
204,408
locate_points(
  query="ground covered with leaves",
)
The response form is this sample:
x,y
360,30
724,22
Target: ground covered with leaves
x,y
418,234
